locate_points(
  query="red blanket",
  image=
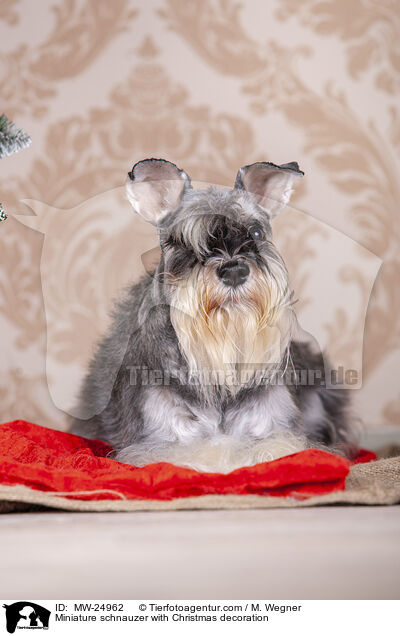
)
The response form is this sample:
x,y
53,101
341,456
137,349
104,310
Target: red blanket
x,y
48,460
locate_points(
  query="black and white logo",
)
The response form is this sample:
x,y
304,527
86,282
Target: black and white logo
x,y
26,615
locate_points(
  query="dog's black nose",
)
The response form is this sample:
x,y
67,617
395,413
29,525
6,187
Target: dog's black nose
x,y
234,273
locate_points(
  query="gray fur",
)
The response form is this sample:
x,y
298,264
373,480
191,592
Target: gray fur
x,y
135,413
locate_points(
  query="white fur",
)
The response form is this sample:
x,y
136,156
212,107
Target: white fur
x,y
260,416
173,420
221,454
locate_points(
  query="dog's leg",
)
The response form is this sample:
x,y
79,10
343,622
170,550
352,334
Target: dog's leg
x,y
327,420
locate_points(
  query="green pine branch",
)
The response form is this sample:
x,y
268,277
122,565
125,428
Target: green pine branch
x,y
3,214
12,139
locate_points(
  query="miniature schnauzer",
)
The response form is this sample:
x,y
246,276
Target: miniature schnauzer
x,y
205,345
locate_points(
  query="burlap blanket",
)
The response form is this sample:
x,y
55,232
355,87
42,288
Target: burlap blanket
x,y
374,483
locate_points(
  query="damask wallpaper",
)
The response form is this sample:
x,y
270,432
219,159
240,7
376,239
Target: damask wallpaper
x,y
211,85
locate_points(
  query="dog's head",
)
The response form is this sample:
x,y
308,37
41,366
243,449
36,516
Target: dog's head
x,y
220,271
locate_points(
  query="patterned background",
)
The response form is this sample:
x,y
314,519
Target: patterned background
x,y
211,85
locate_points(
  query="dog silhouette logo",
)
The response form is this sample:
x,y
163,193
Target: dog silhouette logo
x,y
26,615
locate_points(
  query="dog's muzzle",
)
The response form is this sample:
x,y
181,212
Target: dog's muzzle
x,y
234,273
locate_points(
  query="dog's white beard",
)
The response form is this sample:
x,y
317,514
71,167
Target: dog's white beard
x,y
230,335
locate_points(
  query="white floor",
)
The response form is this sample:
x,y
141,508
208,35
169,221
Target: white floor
x,y
328,552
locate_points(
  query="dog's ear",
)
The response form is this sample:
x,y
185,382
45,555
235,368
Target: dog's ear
x,y
271,185
155,187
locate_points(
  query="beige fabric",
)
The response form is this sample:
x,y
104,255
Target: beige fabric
x,y
375,483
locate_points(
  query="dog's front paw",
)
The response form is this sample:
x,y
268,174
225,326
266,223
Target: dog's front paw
x,y
220,454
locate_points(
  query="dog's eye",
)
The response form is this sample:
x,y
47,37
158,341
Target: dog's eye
x,y
256,232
